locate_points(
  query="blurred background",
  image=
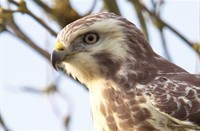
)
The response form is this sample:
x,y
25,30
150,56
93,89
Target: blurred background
x,y
33,96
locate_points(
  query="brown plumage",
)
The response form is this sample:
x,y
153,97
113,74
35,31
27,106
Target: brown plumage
x,y
131,87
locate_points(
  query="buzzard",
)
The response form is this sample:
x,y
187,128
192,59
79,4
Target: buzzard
x,y
131,87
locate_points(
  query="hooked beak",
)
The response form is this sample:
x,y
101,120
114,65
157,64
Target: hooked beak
x,y
57,55
55,59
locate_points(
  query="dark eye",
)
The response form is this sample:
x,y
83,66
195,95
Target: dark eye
x,y
91,38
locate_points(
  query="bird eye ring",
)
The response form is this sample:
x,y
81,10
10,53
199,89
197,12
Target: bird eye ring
x,y
91,38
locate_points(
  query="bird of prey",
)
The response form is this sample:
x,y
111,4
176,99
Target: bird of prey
x,y
131,87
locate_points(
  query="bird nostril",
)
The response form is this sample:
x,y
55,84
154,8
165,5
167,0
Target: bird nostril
x,y
59,46
61,49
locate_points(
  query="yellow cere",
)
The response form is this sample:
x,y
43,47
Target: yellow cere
x,y
59,46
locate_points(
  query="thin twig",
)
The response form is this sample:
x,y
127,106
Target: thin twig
x,y
166,51
32,90
42,23
2,123
153,3
112,6
67,117
27,11
26,39
156,10
43,6
152,14
141,20
14,2
50,91
9,11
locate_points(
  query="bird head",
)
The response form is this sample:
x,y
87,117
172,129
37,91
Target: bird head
x,y
97,46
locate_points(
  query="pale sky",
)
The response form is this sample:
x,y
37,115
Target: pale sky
x,y
21,66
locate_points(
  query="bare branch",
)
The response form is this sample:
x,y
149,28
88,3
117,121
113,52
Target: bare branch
x,y
141,20
66,121
23,9
64,117
14,2
43,6
8,11
164,24
42,23
196,47
65,15
51,90
157,10
26,39
2,123
31,90
112,6
166,51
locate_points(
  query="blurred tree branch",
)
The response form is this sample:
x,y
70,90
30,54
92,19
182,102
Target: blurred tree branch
x,y
157,10
162,24
7,22
164,44
62,12
21,35
111,6
2,123
23,9
43,6
141,20
50,90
